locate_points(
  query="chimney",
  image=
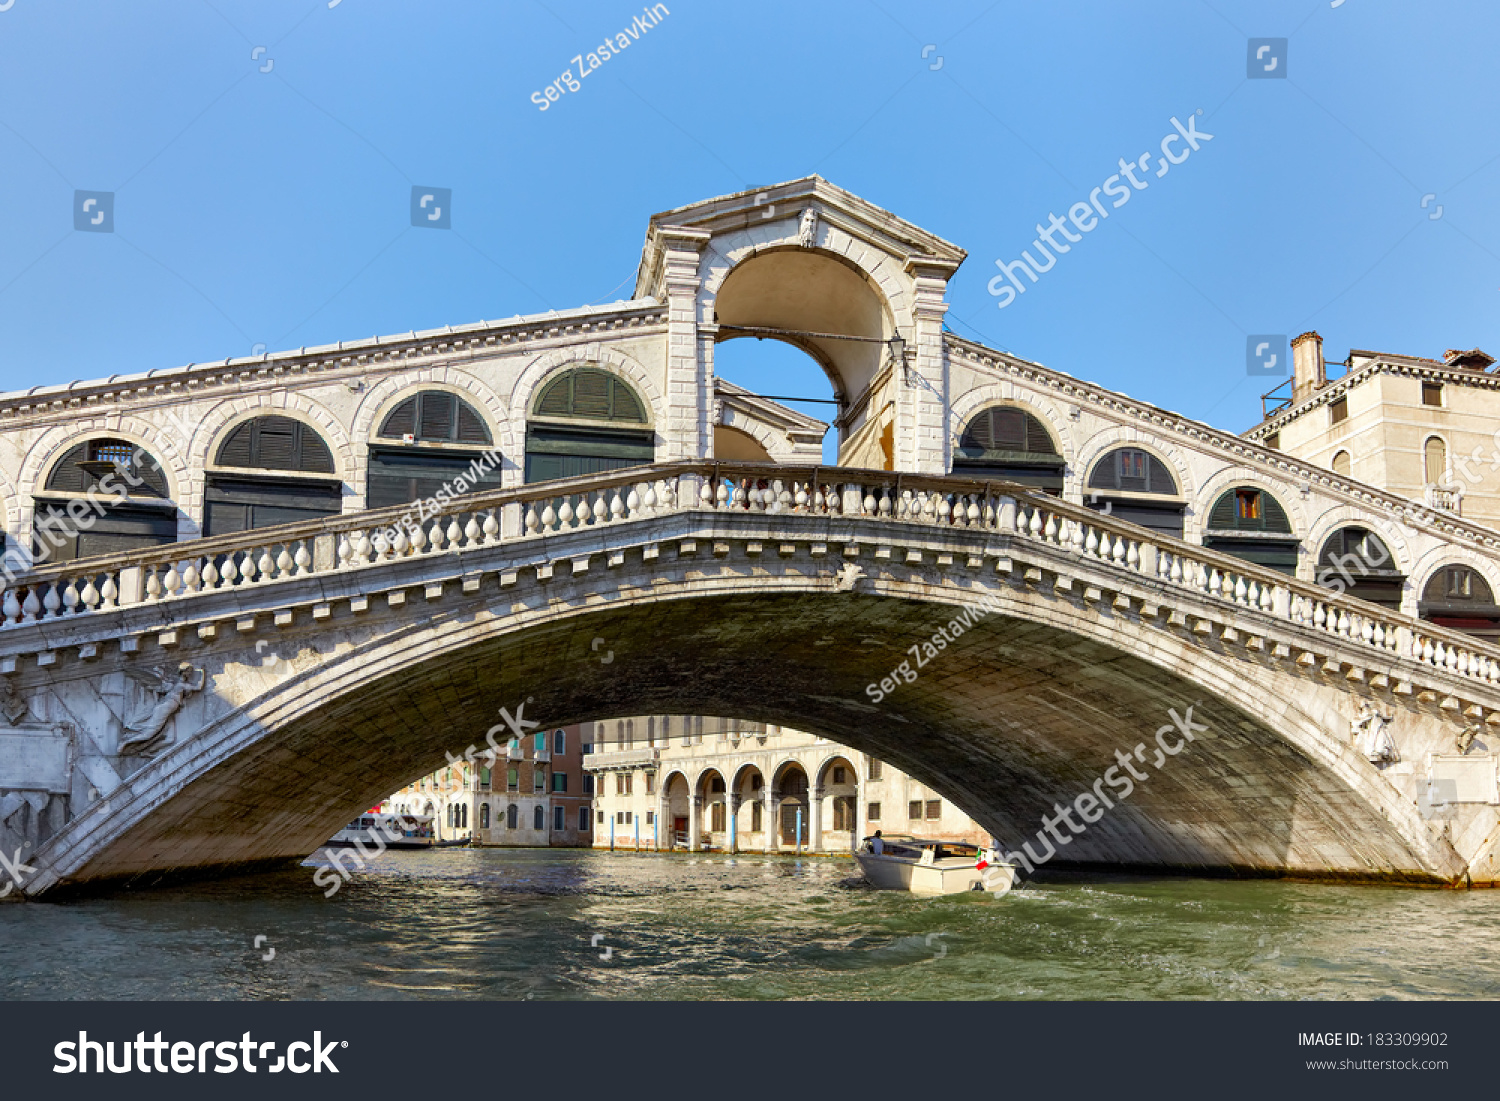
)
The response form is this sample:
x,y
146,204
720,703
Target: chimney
x,y
1308,372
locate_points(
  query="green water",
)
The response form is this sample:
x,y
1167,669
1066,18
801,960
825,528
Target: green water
x,y
514,924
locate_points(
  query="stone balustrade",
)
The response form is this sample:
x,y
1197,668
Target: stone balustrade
x,y
181,571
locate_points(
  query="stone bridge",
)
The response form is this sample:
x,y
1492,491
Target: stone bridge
x,y
221,702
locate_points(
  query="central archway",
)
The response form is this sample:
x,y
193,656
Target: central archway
x,y
827,308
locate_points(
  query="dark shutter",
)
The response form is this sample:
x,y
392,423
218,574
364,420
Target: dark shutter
x,y
233,504
399,476
561,451
68,476
435,416
588,393
402,421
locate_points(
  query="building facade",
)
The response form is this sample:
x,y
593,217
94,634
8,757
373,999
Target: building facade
x,y
536,795
696,783
1426,429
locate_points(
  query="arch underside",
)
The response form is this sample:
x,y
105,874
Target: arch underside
x,y
1012,718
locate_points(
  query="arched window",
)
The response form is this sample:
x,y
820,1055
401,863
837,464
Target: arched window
x,y
484,816
1355,561
1460,598
1435,461
559,742
239,495
1130,483
431,441
539,819
512,816
1341,463
1251,524
130,509
584,421
1009,443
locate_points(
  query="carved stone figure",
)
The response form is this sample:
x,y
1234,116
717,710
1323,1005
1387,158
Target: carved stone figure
x,y
851,575
807,228
144,732
1467,736
12,706
1371,732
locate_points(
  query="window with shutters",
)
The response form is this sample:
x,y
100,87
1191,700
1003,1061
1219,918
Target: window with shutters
x,y
275,443
934,808
1338,411
872,812
1133,471
586,421
875,770
83,466
914,809
583,819
1432,393
538,818
1250,524
145,518
1460,598
1435,461
435,416
1010,443
512,816
1354,560
558,822
1122,483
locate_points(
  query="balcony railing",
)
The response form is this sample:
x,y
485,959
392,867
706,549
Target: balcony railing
x,y
238,564
1447,498
621,759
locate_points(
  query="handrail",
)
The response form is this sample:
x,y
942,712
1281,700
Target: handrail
x,y
379,537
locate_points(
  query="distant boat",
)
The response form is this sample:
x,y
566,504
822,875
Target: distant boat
x,y
929,867
385,831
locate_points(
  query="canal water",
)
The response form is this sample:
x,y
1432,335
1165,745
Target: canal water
x,y
518,924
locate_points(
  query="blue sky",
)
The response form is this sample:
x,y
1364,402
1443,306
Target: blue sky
x,y
273,207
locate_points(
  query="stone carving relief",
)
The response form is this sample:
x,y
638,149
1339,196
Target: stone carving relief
x,y
807,228
1371,732
144,734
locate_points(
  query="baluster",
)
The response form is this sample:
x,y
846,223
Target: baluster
x,y
1034,526
400,546
491,526
435,537
11,607
418,538
1452,662
284,559
110,593
887,503
1241,591
346,554
153,583
705,493
800,498
70,597
991,517
649,499
722,493
1176,575
945,510
471,531
617,505
565,515
1133,555
533,521
52,603
172,583
835,501
192,580
1343,623
90,595
456,533
210,574
1049,530
549,522
1426,651
819,501
869,502
31,606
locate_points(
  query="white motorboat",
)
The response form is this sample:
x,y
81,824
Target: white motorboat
x,y
385,831
927,867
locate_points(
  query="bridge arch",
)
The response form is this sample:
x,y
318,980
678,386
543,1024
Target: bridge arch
x,y
1028,709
